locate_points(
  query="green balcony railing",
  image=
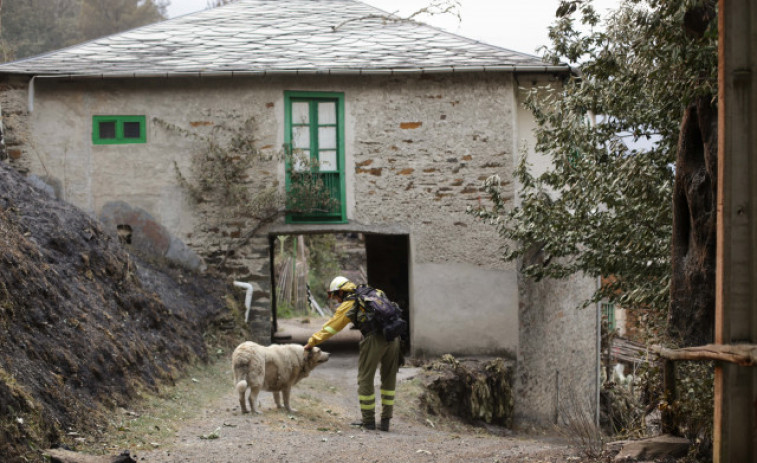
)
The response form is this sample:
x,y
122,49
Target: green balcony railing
x,y
317,200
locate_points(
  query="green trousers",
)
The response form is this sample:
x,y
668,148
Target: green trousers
x,y
375,350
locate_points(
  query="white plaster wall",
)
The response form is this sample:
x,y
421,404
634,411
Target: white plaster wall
x,y
525,143
526,139
462,308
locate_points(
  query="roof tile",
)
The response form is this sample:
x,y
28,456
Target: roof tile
x,y
276,36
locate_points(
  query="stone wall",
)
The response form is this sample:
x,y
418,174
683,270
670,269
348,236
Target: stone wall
x,y
14,123
422,155
417,151
558,353
427,145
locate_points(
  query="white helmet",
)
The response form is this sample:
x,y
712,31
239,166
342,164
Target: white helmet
x,y
337,283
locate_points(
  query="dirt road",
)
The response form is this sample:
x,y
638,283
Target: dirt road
x,y
320,430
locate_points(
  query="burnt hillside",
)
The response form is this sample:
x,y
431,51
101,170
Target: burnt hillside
x,y
85,323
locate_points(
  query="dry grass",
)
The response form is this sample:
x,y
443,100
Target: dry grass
x,y
154,419
577,424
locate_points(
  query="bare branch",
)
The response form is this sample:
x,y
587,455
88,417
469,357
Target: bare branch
x,y
261,222
740,354
435,7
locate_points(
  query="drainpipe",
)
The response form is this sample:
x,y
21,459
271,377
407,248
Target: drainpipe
x,y
30,95
247,298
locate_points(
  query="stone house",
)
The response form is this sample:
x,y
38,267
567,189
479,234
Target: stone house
x,y
403,120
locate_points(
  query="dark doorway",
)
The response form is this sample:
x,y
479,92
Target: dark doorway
x,y
380,260
388,262
303,265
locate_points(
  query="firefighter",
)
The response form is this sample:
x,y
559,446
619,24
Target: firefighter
x,y
375,350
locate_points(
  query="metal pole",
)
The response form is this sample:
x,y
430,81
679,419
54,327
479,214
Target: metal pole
x,y
272,265
598,384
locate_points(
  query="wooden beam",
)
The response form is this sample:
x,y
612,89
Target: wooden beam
x,y
740,354
735,420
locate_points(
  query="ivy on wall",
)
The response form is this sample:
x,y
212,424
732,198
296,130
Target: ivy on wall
x,y
230,175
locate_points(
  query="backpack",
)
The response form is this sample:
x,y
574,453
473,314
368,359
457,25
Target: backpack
x,y
383,314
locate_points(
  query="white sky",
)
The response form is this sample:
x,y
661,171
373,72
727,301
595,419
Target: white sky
x,y
519,25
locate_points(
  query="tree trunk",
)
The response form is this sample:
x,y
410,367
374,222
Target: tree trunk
x,y
691,319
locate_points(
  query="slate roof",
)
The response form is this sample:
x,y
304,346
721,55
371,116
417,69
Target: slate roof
x,y
278,36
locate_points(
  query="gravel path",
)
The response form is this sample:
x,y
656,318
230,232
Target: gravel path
x,y
321,431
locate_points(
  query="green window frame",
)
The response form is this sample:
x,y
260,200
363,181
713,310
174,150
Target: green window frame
x,y
314,129
608,314
118,130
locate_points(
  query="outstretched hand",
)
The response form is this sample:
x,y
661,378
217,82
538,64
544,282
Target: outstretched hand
x,y
308,347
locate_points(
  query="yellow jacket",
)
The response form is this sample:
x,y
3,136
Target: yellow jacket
x,y
338,321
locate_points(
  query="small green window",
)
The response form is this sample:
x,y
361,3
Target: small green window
x,y
608,315
116,130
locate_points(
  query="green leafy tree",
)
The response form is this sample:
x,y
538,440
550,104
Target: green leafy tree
x,y
32,27
630,193
323,259
604,207
103,17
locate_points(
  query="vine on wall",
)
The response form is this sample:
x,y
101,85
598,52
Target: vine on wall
x,y
229,174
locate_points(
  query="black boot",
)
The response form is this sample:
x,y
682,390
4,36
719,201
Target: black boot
x,y
384,425
369,425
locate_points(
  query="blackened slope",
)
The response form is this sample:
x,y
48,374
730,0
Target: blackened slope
x,y
84,323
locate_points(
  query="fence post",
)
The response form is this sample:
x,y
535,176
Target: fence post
x,y
668,415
